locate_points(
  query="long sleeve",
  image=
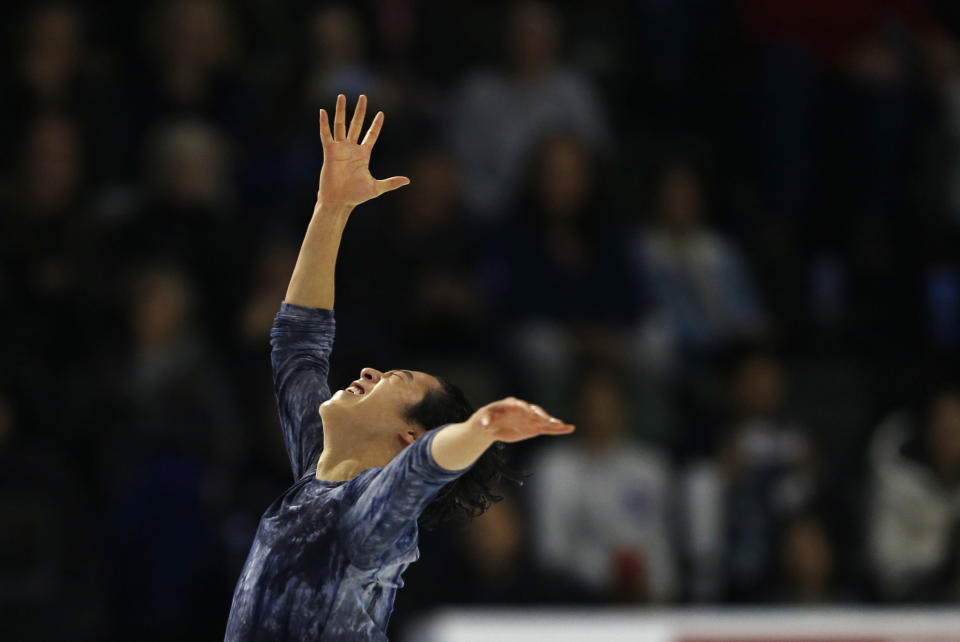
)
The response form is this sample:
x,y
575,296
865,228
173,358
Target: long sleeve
x,y
301,341
381,523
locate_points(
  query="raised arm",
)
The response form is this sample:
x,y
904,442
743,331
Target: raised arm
x,y
345,182
303,332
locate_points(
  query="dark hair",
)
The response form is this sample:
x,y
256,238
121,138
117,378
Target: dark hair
x,y
472,493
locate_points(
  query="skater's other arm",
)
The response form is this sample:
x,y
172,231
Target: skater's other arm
x,y
381,519
457,446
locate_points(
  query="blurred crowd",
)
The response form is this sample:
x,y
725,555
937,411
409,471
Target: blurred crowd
x,y
722,237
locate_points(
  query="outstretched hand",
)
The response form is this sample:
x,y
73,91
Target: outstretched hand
x,y
513,419
345,178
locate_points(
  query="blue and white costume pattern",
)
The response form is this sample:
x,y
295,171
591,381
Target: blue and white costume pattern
x,y
327,557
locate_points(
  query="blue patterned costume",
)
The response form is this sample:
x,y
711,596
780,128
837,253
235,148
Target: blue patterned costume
x,y
328,555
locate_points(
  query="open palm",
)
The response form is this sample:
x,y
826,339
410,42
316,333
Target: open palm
x,y
513,419
345,177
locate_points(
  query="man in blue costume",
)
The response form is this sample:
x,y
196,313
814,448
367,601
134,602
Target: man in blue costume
x,y
370,460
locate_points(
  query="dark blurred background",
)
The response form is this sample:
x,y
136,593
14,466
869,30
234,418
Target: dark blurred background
x,y
720,236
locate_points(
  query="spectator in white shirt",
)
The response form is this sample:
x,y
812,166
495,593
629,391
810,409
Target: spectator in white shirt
x,y
602,503
915,497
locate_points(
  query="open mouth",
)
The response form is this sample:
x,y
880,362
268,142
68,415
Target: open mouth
x,y
355,388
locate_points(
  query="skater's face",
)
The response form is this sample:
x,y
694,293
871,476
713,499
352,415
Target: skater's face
x,y
380,400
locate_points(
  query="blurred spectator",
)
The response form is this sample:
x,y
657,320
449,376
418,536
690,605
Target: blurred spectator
x,y
337,65
765,468
494,551
562,245
496,566
697,278
188,215
433,288
179,400
52,53
48,254
558,269
806,561
498,115
602,505
178,433
915,497
47,231
52,168
56,71
194,40
188,165
193,71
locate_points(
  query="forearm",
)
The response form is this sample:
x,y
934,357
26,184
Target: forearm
x,y
312,283
457,446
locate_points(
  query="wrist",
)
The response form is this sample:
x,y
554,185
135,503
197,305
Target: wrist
x,y
332,211
456,446
479,433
